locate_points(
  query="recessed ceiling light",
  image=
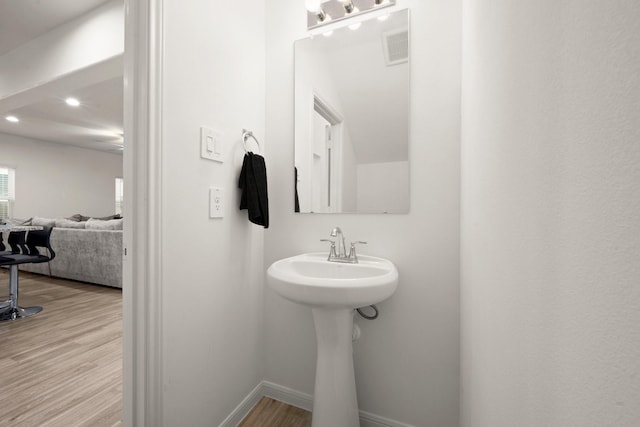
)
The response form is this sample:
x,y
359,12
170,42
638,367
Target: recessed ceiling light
x,y
72,102
12,119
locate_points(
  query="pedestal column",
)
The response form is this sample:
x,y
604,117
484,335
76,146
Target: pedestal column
x,y
334,399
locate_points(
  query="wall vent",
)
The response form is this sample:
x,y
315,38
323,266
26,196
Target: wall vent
x,y
396,46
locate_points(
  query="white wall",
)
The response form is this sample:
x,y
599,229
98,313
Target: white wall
x,y
56,180
407,361
349,175
89,39
550,218
383,187
213,270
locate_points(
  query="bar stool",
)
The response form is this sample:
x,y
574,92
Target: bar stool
x,y
30,254
16,241
17,244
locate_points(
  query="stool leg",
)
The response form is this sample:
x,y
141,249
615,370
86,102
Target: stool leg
x,y
13,286
4,305
14,312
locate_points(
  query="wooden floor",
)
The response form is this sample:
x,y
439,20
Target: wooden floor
x,y
63,366
272,413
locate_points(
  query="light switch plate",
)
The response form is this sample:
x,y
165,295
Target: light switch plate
x,y
211,144
216,202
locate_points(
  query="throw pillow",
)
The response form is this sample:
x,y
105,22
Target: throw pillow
x,y
80,217
106,218
98,224
67,223
77,218
44,222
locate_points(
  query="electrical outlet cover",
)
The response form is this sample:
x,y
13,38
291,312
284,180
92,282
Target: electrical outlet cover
x,y
216,202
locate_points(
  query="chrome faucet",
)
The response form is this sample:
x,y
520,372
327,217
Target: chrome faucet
x,y
342,250
340,254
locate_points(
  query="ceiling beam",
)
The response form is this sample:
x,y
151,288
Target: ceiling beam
x,y
65,84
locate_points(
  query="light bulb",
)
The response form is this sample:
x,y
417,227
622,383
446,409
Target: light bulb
x,y
12,119
73,102
313,6
348,6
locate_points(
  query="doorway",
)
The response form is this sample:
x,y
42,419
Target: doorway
x,y
326,158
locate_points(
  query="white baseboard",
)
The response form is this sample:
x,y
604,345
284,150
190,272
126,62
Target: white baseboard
x,y
288,395
299,400
243,408
367,419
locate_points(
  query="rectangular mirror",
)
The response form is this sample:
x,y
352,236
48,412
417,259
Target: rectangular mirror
x,y
352,118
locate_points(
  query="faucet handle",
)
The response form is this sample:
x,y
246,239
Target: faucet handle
x,y
352,252
332,250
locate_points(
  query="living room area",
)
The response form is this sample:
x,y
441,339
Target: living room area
x,y
63,365
61,169
77,192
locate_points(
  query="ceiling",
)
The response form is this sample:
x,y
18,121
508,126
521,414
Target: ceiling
x,y
43,112
24,20
95,124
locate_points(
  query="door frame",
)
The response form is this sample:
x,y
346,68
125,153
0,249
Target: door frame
x,y
335,119
142,252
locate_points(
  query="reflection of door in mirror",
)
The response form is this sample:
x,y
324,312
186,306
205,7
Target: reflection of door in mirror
x,y
326,159
321,188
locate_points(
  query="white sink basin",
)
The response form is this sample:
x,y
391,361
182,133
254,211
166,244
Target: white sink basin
x,y
312,280
333,290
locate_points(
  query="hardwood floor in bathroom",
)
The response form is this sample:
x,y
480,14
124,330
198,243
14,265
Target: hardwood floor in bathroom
x,y
272,413
63,366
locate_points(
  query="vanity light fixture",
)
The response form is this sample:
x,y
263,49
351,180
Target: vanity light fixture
x,y
348,6
12,119
72,102
324,12
315,7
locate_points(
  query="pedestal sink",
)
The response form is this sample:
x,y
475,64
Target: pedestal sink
x,y
333,290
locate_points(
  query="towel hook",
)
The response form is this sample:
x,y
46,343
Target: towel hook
x,y
246,134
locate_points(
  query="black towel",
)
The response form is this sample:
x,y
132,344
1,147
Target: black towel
x,y
253,182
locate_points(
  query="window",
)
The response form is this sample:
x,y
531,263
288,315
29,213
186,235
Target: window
x,y
7,191
119,195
